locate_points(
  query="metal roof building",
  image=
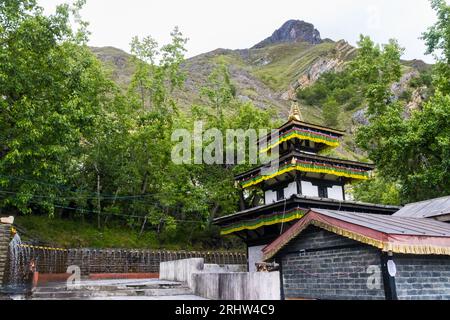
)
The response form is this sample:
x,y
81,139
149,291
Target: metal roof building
x,y
435,208
331,254
389,233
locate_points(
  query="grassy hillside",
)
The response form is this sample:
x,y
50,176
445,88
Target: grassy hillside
x,y
260,75
77,234
286,62
266,76
117,62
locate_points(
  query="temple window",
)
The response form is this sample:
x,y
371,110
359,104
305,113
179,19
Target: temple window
x,y
290,190
270,197
336,192
308,189
323,192
280,194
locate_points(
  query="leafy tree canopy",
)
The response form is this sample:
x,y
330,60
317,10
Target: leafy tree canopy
x,y
413,152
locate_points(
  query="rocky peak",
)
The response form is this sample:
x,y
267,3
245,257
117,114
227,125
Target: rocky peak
x,y
293,31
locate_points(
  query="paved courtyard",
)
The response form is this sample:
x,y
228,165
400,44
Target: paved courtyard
x,y
117,289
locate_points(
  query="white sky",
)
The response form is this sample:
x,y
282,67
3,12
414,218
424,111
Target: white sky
x,y
238,24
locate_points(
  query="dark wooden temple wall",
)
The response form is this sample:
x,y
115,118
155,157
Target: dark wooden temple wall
x,y
332,267
422,277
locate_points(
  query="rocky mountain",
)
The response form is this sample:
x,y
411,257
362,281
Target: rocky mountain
x,y
269,73
118,63
292,31
267,76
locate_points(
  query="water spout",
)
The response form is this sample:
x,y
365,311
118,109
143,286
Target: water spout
x,y
16,256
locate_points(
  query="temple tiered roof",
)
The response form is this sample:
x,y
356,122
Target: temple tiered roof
x,y
285,211
298,130
299,179
308,163
323,137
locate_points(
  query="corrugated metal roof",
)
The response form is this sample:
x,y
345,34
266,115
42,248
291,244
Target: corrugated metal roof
x,y
392,224
426,209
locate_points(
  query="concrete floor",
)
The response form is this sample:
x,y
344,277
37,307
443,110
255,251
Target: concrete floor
x,y
176,297
117,289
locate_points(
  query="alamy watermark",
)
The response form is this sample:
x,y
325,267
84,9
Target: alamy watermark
x,y
74,280
234,146
374,279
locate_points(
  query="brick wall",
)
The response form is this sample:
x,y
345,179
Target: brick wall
x,y
4,247
422,277
332,267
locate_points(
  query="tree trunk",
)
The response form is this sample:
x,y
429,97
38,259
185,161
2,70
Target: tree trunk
x,y
113,203
255,200
242,205
60,213
158,234
99,207
144,184
213,213
142,94
143,227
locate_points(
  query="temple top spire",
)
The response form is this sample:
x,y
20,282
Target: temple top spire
x,y
295,113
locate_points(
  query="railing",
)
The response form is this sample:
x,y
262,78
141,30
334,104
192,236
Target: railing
x,y
46,259
142,261
56,260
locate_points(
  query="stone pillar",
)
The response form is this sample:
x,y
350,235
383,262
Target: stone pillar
x,y
5,237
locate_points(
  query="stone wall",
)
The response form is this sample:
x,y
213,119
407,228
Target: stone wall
x,y
237,285
422,277
5,233
181,270
330,267
222,282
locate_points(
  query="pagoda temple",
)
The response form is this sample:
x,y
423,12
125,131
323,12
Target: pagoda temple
x,y
304,179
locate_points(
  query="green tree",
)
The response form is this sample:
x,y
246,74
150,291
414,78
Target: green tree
x,y
409,152
222,110
143,156
377,68
341,87
378,190
158,71
330,112
437,40
53,95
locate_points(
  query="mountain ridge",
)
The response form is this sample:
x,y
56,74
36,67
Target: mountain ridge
x,y
293,57
270,73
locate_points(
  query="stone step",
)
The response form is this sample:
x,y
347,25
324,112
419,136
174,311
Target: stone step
x,y
80,294
175,297
64,288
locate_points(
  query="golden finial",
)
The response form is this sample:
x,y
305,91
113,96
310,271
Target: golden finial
x,y
295,113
